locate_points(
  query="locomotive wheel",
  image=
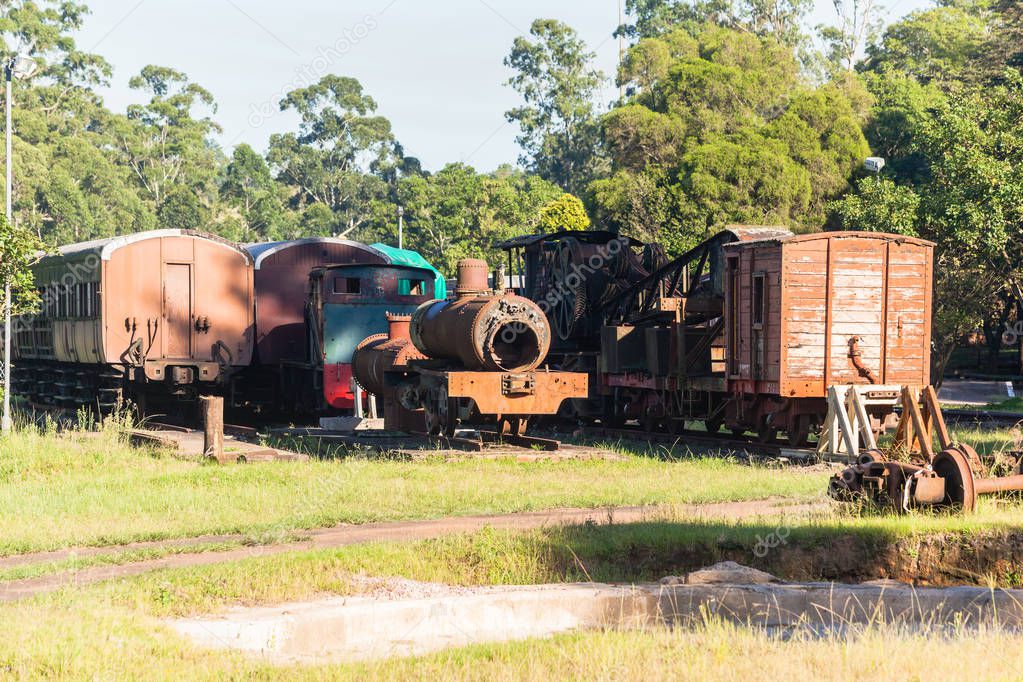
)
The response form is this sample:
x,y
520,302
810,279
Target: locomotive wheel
x,y
953,465
440,414
714,424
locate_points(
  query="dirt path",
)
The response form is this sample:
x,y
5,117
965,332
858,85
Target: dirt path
x,y
340,536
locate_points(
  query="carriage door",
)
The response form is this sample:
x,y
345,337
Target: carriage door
x,y
758,308
177,310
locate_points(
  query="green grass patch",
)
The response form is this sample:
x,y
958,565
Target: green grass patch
x,y
94,489
111,630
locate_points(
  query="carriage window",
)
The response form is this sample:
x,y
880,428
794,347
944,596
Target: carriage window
x,y
759,299
347,285
411,287
62,300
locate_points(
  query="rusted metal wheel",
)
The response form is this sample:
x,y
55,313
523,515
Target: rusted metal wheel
x,y
440,413
953,465
714,424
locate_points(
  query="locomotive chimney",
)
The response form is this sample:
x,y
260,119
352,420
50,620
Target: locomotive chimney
x,y
398,327
473,276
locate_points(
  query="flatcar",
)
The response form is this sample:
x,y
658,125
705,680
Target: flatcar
x,y
749,329
166,313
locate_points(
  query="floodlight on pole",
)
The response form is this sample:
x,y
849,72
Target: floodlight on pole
x,y
22,67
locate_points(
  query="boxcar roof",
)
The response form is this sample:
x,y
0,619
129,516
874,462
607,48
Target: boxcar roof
x,y
105,248
261,252
813,236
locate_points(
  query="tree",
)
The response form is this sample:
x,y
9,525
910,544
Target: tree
x,y
879,205
18,248
721,129
181,209
458,213
163,143
564,213
858,25
780,19
555,76
249,186
340,154
945,43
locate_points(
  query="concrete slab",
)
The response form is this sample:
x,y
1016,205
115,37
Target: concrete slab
x,y
364,628
351,424
974,393
188,444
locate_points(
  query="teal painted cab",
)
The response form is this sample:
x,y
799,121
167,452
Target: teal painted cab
x,y
349,303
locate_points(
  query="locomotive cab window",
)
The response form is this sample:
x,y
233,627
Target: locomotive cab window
x,y
759,299
411,287
347,285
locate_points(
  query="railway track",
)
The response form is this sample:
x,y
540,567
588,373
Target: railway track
x,y
703,440
983,417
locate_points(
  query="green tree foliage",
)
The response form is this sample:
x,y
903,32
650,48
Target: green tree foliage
x,y
946,43
559,125
721,129
339,156
567,212
879,205
163,142
249,186
18,247
858,25
458,213
780,19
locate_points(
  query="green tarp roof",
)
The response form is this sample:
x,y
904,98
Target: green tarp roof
x,y
414,259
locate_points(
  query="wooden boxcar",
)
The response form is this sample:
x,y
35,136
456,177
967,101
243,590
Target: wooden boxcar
x,y
167,311
836,308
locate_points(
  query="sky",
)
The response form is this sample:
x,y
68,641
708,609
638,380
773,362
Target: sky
x,y
434,68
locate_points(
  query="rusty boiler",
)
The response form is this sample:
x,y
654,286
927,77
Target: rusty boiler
x,y
481,329
381,366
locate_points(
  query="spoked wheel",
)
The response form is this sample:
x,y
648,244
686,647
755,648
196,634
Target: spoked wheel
x,y
570,304
440,414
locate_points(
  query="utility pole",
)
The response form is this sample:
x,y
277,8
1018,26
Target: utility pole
x,y
401,227
7,422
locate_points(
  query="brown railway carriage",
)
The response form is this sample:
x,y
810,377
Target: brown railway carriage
x,y
804,313
282,287
807,312
168,309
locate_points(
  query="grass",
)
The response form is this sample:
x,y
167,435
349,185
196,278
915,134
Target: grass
x,y
109,644
93,489
635,552
112,630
